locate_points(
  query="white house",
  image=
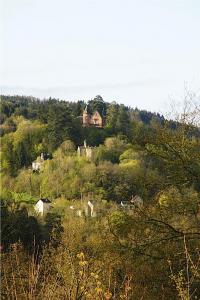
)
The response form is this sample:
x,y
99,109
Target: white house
x,y
38,164
42,206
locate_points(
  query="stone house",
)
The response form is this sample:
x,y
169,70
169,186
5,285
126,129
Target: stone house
x,y
86,209
85,151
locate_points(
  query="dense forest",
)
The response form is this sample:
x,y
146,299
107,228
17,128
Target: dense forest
x,y
149,252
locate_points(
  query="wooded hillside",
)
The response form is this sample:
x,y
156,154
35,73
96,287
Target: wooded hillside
x,y
150,252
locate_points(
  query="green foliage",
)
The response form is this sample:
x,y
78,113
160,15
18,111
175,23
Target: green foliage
x,y
54,228
97,104
129,155
23,197
67,148
179,153
21,147
111,150
17,225
94,136
118,119
120,223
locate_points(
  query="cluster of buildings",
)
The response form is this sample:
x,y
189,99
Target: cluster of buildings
x,y
89,208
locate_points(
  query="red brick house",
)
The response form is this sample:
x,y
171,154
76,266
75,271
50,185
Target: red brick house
x,y
94,119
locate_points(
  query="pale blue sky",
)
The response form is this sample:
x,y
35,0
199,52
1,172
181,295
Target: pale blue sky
x,y
139,53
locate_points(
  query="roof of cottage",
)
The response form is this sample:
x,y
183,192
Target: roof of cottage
x,y
45,200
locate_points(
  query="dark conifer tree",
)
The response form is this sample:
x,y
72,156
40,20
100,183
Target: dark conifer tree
x,y
59,125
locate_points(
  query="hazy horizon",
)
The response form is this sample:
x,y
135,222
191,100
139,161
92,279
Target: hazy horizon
x,y
142,54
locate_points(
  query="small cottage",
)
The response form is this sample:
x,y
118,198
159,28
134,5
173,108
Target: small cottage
x,y
42,206
38,164
135,202
127,205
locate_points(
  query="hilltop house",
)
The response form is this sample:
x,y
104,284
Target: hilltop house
x,y
93,120
42,206
85,151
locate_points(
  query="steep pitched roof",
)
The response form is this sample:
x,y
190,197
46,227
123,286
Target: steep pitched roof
x,y
45,200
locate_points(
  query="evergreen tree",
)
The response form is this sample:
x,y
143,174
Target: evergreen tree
x,y
111,117
59,125
123,121
98,104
